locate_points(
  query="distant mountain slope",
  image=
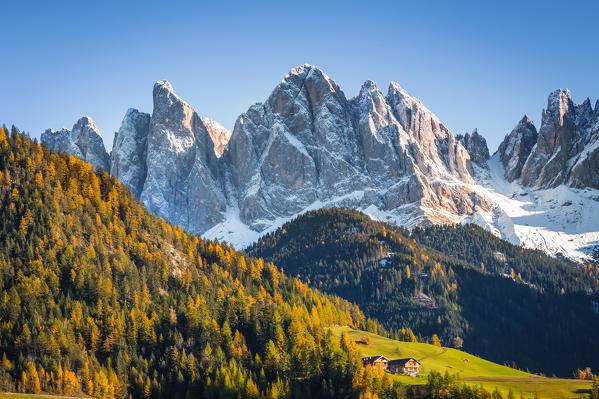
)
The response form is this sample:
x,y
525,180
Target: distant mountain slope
x,y
405,284
480,248
100,297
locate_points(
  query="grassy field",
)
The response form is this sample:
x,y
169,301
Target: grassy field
x,y
472,369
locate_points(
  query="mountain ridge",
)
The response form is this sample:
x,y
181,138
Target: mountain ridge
x,y
308,146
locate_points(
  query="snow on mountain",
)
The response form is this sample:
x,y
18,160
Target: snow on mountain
x,y
559,220
308,146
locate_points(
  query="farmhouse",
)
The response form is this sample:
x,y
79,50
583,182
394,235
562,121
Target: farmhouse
x,y
408,366
376,361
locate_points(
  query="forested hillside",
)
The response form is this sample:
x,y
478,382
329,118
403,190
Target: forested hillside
x,y
508,307
479,247
99,297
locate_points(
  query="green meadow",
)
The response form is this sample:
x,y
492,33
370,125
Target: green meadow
x,y
472,369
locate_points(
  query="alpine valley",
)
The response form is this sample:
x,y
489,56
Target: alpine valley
x,y
290,256
308,146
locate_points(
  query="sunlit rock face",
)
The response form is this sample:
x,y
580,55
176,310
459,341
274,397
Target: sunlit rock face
x,y
309,144
181,182
306,146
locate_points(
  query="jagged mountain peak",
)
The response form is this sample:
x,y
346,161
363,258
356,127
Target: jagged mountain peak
x,y
88,128
84,141
587,103
526,121
371,101
559,99
405,107
563,134
163,85
304,72
303,89
394,86
51,131
305,69
165,100
368,86
86,121
129,150
396,92
476,145
559,103
516,146
181,164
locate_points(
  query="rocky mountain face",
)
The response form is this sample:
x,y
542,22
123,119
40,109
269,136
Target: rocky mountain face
x,y
181,182
129,150
218,133
516,147
565,150
83,141
476,145
308,146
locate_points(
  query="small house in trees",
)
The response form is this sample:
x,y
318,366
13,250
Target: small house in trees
x,y
499,257
376,361
408,366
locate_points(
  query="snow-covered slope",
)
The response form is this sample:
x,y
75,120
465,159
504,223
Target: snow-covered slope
x,y
559,220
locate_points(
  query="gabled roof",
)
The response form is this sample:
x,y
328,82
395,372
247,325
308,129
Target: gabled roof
x,y
401,361
372,359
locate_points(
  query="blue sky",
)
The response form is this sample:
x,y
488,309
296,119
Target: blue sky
x,y
475,64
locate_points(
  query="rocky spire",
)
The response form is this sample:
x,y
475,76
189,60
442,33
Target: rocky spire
x,y
129,150
83,141
516,147
308,143
560,138
181,181
585,165
476,145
